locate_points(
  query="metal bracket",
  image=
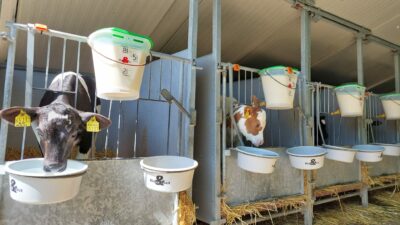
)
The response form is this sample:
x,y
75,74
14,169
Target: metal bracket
x,y
6,36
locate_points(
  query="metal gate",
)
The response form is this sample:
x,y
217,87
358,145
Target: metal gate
x,y
148,126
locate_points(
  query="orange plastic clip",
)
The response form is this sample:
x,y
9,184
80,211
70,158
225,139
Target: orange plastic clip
x,y
41,27
236,67
289,70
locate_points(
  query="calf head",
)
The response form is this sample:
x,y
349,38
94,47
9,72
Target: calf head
x,y
58,127
251,121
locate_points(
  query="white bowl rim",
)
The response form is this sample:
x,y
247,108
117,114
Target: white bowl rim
x,y
340,148
307,155
65,173
242,149
166,170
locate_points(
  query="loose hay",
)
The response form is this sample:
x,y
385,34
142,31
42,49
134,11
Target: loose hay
x,y
383,208
187,210
232,214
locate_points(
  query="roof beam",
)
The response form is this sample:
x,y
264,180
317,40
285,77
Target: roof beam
x,y
319,13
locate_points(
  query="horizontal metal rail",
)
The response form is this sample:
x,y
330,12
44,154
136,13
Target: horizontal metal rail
x,y
320,13
272,216
336,198
79,38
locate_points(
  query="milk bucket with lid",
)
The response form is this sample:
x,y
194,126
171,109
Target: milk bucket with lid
x,y
119,57
279,86
351,99
391,105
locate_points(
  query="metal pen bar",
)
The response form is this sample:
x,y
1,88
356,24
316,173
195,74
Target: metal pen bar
x,y
223,126
94,135
51,32
8,82
239,86
231,99
77,71
63,64
245,88
108,129
47,61
30,54
180,94
47,89
119,127
83,39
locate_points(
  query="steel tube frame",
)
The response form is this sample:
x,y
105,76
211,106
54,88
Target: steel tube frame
x,y
189,123
8,88
361,120
304,104
216,55
320,13
396,59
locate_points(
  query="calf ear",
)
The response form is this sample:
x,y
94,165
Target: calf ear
x,y
104,122
10,113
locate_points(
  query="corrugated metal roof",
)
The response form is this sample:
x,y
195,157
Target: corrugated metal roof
x,y
255,33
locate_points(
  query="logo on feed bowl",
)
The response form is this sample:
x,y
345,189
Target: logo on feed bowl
x,y
312,162
159,180
13,186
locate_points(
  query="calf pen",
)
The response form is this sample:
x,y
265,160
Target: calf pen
x,y
146,127
252,197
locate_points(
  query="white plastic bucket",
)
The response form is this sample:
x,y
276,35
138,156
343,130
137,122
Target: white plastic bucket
x,y
306,157
168,173
390,149
351,99
340,154
256,160
369,153
391,105
119,57
30,184
279,86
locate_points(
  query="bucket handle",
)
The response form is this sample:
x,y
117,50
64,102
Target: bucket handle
x,y
277,81
116,61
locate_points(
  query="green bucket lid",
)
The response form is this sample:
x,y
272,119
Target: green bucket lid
x,y
113,34
279,67
137,37
356,85
391,95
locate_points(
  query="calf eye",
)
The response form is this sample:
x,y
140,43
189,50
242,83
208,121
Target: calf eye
x,y
74,135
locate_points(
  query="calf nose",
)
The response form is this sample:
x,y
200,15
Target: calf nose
x,y
55,167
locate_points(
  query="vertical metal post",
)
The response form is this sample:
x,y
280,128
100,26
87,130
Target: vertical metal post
x,y
216,54
191,78
361,120
30,54
305,106
8,88
396,58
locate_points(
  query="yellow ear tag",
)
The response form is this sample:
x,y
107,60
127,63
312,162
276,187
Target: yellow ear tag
x,y
22,120
92,125
247,113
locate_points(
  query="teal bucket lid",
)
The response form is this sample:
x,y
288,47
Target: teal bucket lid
x,y
350,85
390,96
122,36
278,70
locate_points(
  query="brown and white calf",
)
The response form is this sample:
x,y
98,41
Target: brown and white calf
x,y
250,121
58,126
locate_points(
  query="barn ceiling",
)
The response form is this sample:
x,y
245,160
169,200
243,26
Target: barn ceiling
x,y
255,33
